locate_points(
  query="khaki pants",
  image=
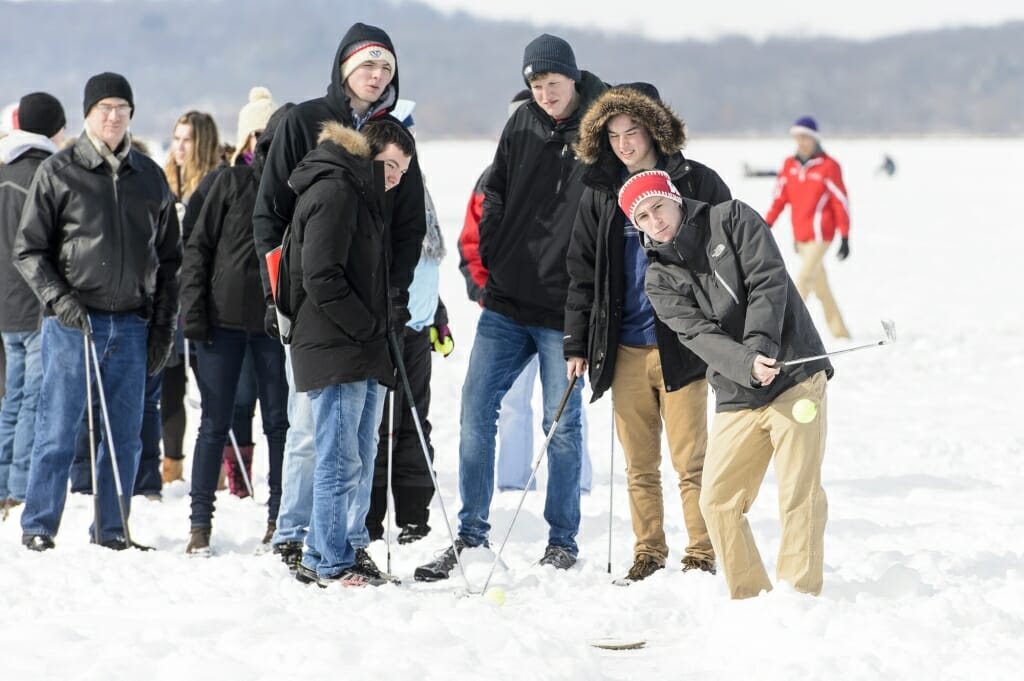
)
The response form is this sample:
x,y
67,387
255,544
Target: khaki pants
x,y
742,443
812,279
641,404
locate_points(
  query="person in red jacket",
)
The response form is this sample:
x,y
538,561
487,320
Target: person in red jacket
x,y
811,182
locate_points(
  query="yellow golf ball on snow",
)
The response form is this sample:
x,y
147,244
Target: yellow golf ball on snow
x,y
804,410
495,595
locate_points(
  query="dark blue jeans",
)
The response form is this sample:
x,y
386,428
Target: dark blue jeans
x,y
121,345
220,364
245,401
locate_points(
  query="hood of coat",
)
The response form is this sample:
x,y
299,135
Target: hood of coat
x,y
18,142
340,152
336,96
666,128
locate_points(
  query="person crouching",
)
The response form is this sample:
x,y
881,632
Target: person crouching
x,y
339,278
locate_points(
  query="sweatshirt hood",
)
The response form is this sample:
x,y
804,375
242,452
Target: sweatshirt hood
x,y
19,141
358,33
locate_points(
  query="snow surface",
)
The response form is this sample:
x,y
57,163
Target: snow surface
x,y
924,570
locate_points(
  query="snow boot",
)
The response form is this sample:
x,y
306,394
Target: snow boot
x,y
236,482
37,542
693,563
290,553
366,567
643,567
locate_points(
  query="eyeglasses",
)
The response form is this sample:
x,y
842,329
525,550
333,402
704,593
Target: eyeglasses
x,y
121,109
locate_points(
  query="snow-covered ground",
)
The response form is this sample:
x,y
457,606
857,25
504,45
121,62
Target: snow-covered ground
x,y
924,566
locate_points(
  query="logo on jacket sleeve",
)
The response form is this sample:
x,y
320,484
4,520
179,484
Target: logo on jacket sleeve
x,y
718,251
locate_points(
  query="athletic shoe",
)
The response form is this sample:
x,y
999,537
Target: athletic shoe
x,y
442,566
122,544
303,574
558,557
37,542
643,567
350,577
366,567
692,563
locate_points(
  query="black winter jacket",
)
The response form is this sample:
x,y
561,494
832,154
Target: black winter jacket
x,y
404,209
111,239
19,308
593,309
530,201
339,266
220,275
721,284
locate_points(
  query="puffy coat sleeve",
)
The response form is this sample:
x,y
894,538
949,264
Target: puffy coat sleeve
x,y
472,269
580,262
168,270
840,204
765,278
329,214
675,303
39,236
200,251
781,197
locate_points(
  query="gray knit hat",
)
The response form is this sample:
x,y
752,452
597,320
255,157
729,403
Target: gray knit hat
x,y
549,54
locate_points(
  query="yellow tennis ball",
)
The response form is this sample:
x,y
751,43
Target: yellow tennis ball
x,y
495,595
804,410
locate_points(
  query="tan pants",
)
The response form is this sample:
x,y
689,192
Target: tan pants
x,y
742,443
641,404
812,279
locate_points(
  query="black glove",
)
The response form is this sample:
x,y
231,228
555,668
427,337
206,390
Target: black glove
x,y
71,313
159,344
844,249
399,316
270,322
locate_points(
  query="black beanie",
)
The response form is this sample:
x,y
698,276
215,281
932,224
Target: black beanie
x,y
549,54
41,113
104,85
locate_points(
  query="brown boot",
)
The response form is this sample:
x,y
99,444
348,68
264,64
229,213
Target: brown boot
x,y
199,542
172,470
222,477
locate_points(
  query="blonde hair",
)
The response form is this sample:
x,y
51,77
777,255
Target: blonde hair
x,y
205,156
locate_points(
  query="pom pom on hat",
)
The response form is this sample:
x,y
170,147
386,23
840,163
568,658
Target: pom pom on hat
x,y
644,185
255,114
805,125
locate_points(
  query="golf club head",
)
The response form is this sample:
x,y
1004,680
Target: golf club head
x,y
889,326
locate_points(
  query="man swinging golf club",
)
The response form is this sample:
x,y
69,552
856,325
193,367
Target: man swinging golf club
x,y
99,243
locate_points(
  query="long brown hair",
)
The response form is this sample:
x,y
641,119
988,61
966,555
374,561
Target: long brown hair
x,y
204,157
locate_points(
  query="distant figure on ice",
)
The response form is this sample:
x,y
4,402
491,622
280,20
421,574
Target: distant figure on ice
x,y
888,166
750,171
717,279
811,182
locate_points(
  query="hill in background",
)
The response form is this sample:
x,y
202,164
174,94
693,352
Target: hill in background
x,y
182,54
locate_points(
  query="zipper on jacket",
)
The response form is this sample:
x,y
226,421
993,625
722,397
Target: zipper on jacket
x,y
732,294
117,212
561,169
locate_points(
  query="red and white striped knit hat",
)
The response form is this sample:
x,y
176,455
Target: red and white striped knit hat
x,y
364,51
644,185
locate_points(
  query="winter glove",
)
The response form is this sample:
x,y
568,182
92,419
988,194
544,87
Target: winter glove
x,y
71,313
399,316
844,249
441,340
159,344
270,322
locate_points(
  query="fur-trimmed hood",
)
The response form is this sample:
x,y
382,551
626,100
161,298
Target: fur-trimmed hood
x,y
340,151
666,128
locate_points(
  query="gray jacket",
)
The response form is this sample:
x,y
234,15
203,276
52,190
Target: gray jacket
x,y
722,286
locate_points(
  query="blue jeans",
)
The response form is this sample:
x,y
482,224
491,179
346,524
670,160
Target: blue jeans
x,y
346,417
220,363
24,374
501,350
299,462
245,401
121,344
515,435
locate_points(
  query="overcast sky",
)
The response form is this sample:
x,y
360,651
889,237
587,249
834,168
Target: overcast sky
x,y
676,20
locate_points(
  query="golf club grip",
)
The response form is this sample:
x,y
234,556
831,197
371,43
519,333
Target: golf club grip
x,y
566,396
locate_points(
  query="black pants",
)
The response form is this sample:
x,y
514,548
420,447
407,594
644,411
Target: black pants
x,y
410,478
